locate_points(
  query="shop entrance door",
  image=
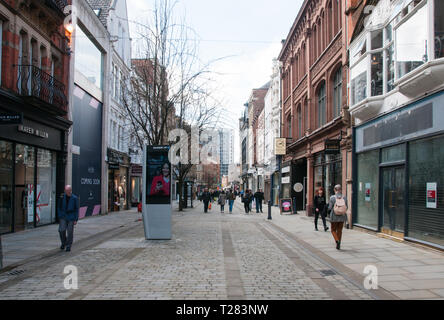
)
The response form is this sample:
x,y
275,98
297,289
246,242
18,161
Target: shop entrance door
x,y
393,180
24,207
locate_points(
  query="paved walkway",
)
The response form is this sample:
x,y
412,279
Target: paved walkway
x,y
35,243
226,256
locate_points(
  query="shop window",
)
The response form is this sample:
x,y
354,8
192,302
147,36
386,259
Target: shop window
x,y
24,186
376,42
6,181
411,42
390,67
439,29
46,187
396,153
337,93
426,190
368,191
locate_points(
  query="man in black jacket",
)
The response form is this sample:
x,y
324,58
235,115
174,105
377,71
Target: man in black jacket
x,y
259,196
206,198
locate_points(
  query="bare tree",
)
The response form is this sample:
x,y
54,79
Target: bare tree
x,y
168,86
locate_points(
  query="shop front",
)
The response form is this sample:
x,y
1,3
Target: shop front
x,y
136,184
31,175
118,175
399,173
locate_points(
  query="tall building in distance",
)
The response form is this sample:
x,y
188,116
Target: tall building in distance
x,y
226,152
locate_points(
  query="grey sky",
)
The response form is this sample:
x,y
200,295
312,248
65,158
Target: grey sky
x,y
249,32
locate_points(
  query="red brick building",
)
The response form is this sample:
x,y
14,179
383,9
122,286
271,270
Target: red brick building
x,y
314,102
34,84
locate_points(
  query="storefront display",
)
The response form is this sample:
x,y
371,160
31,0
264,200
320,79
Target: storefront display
x,y
399,173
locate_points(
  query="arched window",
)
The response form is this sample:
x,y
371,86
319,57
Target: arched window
x,y
337,93
315,44
339,14
329,23
299,117
319,37
322,107
303,60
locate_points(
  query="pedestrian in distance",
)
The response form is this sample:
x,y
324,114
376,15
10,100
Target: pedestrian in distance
x,y
259,197
68,214
338,207
246,201
231,197
320,208
206,198
222,200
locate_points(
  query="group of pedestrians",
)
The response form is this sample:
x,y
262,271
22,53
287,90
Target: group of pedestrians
x,y
248,197
337,208
224,196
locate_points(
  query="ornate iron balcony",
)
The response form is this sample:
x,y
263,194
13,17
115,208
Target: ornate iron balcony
x,y
45,90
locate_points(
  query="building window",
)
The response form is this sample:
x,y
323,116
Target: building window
x,y
322,110
88,59
299,115
305,114
289,133
411,42
337,93
1,48
439,29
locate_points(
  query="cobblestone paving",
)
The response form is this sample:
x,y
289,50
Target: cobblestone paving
x,y
195,264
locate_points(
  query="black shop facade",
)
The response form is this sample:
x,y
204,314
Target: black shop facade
x,y
32,162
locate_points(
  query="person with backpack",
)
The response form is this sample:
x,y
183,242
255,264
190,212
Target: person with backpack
x,y
338,207
246,199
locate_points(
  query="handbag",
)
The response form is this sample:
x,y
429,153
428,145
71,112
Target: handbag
x,y
209,206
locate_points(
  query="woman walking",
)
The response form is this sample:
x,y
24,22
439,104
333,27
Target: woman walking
x,y
246,199
222,200
338,214
231,198
320,208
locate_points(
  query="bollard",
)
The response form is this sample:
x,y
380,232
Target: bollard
x,y
269,209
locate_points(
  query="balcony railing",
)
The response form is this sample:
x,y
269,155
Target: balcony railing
x,y
35,83
57,4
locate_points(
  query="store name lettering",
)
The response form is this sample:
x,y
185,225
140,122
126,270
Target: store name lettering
x,y
34,132
87,181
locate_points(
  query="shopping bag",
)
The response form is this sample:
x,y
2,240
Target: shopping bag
x,y
209,206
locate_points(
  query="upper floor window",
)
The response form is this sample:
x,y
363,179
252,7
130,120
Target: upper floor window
x,y
439,29
289,132
337,93
388,52
299,116
88,58
322,106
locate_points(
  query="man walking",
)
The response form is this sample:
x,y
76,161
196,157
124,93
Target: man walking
x,y
206,198
231,198
259,197
68,213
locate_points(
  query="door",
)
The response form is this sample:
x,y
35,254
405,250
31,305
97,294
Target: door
x,y
393,180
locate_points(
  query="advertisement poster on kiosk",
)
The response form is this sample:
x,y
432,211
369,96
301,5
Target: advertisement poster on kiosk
x,y
157,208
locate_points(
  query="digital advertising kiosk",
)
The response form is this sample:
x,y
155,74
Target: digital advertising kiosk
x,y
156,209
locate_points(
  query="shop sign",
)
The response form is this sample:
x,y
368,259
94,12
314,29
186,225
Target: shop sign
x,y
6,118
332,146
286,169
285,180
432,195
113,166
368,188
32,131
280,146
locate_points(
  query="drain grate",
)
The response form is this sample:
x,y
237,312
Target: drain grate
x,y
16,272
327,273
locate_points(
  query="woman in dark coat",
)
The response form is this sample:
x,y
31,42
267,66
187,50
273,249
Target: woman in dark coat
x,y
320,208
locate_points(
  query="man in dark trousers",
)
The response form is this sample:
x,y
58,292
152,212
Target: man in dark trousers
x,y
259,197
68,213
206,198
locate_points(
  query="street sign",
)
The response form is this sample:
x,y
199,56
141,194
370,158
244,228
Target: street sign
x,y
7,118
